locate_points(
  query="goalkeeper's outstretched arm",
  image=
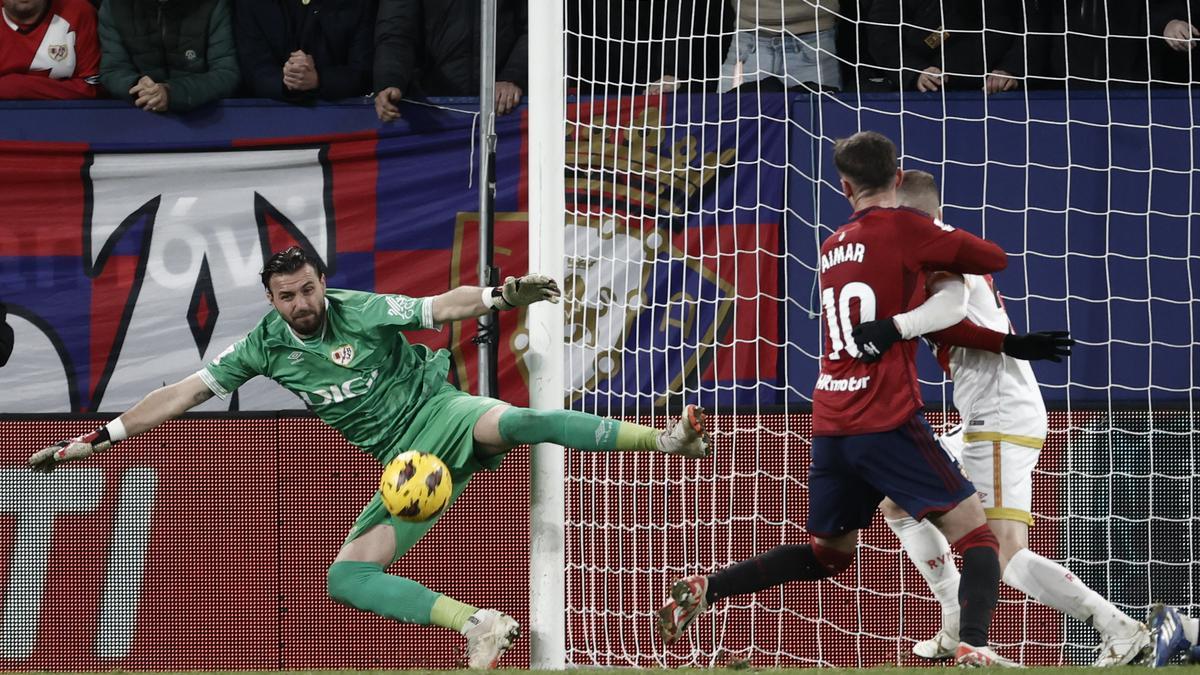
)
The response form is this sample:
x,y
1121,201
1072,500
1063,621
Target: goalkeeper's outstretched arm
x,y
468,302
165,403
157,407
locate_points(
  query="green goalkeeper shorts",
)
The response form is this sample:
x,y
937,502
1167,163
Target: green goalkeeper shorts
x,y
444,426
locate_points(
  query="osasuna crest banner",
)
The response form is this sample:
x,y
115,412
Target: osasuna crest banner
x,y
127,265
674,215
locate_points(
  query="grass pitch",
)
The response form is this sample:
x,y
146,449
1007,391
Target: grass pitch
x,y
880,670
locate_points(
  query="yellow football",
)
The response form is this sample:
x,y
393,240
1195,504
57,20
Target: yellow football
x,y
415,486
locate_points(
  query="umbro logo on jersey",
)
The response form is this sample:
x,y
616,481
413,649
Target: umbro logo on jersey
x,y
402,308
295,356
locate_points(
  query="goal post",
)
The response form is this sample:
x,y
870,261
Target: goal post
x,y
544,358
693,219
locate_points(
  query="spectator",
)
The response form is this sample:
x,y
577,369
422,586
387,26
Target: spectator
x,y
431,48
616,49
1174,37
791,41
49,49
165,55
929,45
1088,43
859,71
300,51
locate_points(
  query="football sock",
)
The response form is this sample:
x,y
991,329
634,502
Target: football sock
x,y
929,551
979,587
365,586
1191,628
450,613
574,429
790,562
1052,584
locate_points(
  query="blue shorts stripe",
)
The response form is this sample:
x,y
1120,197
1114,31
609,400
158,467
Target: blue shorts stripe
x,y
934,455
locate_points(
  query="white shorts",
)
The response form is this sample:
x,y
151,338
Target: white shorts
x,y
1001,471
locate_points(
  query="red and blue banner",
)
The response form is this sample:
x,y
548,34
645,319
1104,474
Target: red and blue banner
x,y
132,243
132,257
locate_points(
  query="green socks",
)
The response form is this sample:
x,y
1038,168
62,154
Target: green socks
x,y
450,613
573,429
365,586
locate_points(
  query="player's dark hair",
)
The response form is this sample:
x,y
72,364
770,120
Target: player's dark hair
x,y
919,190
866,159
288,260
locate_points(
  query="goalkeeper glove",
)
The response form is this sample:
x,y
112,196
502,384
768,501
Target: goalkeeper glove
x,y
874,338
525,291
80,447
1040,346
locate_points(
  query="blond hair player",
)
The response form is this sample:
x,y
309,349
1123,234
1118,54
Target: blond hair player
x,y
1003,428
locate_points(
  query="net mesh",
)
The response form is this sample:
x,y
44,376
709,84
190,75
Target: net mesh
x,y
699,188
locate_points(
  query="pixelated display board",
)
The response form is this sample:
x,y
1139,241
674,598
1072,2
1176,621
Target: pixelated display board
x,y
203,545
245,517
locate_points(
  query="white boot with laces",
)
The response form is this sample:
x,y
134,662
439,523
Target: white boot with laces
x,y
489,634
942,646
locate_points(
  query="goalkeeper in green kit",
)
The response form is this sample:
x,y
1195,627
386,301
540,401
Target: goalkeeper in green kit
x,y
344,353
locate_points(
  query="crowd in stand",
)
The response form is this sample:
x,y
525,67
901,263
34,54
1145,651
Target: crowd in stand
x,y
176,55
881,45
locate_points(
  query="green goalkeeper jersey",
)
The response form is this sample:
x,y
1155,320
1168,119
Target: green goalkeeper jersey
x,y
359,375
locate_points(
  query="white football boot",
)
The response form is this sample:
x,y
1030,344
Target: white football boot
x,y
489,634
942,646
1120,650
968,656
687,599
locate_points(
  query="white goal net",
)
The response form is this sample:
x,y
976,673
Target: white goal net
x,y
699,186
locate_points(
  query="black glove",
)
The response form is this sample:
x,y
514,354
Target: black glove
x,y
874,338
1040,346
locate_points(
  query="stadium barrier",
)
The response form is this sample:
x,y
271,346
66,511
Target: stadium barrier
x,y
203,545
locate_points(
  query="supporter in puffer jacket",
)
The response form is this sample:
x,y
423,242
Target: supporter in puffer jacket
x,y
168,55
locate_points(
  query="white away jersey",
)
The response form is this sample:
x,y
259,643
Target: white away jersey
x,y
997,395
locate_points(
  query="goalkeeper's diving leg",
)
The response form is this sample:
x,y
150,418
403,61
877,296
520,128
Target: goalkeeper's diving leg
x,y
504,427
357,578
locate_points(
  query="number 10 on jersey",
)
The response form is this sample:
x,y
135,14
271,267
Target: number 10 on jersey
x,y
837,315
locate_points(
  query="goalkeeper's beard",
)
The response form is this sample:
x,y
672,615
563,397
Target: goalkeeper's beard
x,y
308,323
